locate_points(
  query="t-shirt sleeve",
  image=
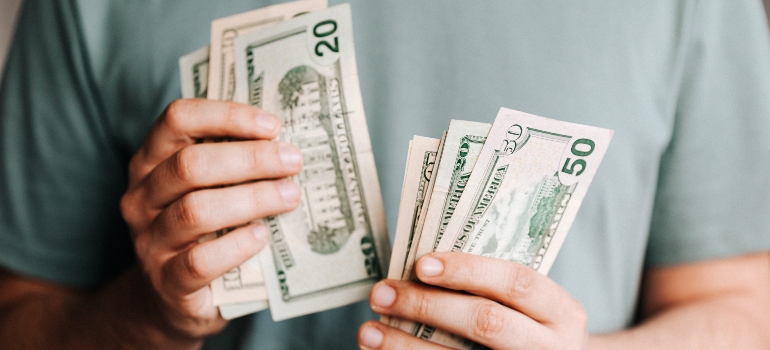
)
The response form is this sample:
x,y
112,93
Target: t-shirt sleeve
x,y
61,176
713,197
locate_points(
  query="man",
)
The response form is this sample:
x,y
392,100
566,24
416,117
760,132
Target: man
x,y
102,200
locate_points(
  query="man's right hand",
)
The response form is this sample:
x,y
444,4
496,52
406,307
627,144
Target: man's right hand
x,y
180,189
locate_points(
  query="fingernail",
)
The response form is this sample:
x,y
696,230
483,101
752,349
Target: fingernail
x,y
291,156
383,295
430,267
260,233
289,191
371,337
266,121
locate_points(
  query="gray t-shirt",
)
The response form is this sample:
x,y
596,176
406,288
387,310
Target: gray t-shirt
x,y
684,84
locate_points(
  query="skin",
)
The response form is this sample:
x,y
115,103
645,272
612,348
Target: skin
x,y
176,195
716,304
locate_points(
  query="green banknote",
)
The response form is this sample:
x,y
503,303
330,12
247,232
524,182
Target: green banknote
x,y
194,72
334,247
225,30
523,194
461,148
420,168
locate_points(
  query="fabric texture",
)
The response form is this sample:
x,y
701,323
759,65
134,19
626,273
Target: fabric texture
x,y
684,85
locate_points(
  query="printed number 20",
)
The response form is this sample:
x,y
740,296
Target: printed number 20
x,y
324,29
580,164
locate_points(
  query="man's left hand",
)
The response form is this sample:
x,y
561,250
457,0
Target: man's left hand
x,y
496,303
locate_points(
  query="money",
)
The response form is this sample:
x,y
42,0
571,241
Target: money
x,y
526,188
462,147
334,247
523,194
419,170
242,286
509,190
224,31
194,80
417,175
412,253
194,73
231,311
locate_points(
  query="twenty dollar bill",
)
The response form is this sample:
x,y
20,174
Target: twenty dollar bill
x,y
334,247
225,30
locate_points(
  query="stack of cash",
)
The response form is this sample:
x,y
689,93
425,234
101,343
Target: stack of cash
x,y
296,60
509,190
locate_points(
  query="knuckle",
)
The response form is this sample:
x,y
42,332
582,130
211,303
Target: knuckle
x,y
142,244
259,154
420,305
134,213
194,264
578,314
135,165
232,115
175,114
190,211
128,208
246,245
519,282
187,165
488,320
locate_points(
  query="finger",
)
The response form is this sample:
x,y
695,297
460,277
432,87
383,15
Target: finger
x,y
374,335
514,285
471,317
204,211
185,121
196,267
212,164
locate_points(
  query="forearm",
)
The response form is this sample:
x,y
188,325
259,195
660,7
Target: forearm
x,y
123,314
730,322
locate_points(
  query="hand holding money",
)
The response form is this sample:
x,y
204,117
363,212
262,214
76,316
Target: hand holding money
x,y
505,182
176,195
496,303
332,250
508,192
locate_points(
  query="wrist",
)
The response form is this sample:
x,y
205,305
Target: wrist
x,y
135,315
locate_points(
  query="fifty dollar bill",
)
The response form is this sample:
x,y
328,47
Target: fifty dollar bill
x,y
523,194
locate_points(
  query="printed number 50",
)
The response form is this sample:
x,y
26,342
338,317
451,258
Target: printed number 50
x,y
579,149
324,29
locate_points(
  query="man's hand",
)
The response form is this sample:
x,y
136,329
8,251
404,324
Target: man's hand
x,y
180,190
496,303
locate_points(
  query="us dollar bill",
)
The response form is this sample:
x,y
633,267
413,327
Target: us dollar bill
x,y
421,218
194,83
225,30
523,194
242,288
462,147
194,73
417,175
244,281
334,247
419,171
